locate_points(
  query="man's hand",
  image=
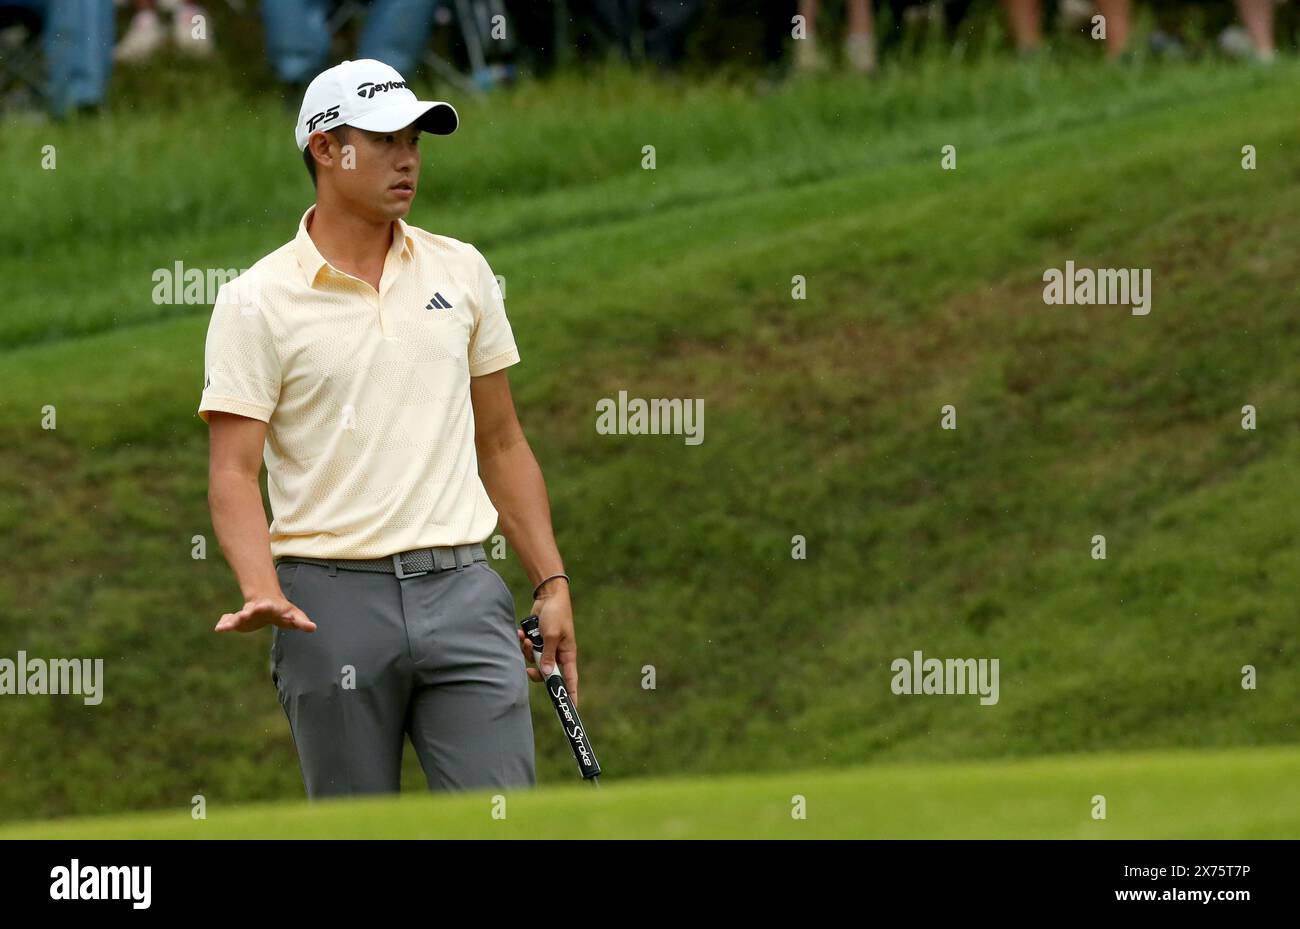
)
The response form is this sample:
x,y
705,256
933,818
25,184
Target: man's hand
x,y
559,645
267,611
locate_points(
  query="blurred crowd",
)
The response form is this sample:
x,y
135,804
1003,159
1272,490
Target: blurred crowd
x,y
1252,38
79,43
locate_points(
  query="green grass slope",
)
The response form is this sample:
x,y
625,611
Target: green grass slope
x,y
1171,795
822,419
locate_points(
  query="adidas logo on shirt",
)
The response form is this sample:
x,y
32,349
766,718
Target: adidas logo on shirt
x,y
439,302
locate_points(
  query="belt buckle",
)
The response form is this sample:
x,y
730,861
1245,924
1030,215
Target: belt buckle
x,y
400,571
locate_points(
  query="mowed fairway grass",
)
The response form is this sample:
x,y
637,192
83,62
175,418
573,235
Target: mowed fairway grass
x,y
924,289
1223,795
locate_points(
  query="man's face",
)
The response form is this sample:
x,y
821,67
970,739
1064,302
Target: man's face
x,y
375,173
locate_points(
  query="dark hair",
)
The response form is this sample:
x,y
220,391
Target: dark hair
x,y
340,133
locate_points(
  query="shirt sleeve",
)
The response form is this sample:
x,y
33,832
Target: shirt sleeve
x,y
241,365
491,343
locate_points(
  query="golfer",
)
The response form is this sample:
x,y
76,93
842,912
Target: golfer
x,y
367,359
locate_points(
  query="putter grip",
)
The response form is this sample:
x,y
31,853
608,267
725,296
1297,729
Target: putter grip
x,y
588,767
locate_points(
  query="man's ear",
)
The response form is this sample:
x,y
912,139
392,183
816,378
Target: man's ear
x,y
318,143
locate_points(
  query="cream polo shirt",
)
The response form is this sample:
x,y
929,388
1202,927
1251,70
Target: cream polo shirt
x,y
370,437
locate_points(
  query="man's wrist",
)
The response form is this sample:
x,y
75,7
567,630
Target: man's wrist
x,y
262,592
550,583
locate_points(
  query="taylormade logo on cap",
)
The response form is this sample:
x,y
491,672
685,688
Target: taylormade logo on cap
x,y
367,89
370,95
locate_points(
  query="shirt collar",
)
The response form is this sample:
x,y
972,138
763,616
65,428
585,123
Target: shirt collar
x,y
311,261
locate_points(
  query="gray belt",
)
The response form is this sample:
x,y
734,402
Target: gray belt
x,y
404,564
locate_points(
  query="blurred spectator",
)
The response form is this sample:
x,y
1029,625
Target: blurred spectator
x,y
1026,19
663,25
144,36
1257,17
146,33
1252,37
298,37
859,43
778,17
77,36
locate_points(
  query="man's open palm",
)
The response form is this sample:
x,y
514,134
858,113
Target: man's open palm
x,y
266,611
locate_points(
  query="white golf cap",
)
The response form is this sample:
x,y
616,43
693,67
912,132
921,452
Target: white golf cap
x,y
370,95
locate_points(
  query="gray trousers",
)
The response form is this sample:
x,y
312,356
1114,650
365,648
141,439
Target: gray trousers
x,y
434,657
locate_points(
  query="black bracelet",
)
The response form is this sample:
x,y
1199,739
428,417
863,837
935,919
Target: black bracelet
x,y
538,588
